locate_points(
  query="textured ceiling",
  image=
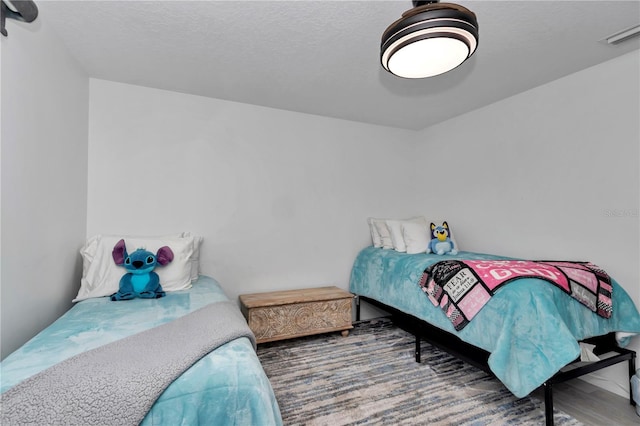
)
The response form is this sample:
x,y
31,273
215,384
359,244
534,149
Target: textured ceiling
x,y
322,57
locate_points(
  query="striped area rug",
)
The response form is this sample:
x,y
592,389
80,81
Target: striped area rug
x,y
371,378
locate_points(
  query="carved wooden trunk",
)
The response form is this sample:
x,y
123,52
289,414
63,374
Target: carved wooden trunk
x,y
293,313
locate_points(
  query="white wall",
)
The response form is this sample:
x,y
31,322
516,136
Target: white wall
x,y
550,173
281,198
44,180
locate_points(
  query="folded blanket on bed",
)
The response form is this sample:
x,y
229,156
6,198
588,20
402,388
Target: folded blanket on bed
x,y
116,384
462,287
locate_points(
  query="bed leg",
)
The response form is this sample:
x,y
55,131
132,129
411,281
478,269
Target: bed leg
x,y
632,371
417,348
548,404
357,300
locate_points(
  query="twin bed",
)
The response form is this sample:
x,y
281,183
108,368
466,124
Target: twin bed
x,y
182,359
528,332
226,386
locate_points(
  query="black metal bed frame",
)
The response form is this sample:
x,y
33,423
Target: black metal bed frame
x,y
479,357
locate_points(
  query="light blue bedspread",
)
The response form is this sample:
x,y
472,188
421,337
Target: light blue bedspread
x,y
228,386
530,327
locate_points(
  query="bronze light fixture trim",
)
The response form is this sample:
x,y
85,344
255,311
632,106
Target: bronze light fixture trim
x,y
20,10
428,40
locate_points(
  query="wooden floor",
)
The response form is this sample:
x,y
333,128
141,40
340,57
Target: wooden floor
x,y
592,405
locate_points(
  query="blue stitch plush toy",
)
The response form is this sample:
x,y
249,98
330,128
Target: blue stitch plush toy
x,y
440,242
140,280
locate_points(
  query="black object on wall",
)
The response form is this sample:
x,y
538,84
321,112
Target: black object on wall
x,y
21,10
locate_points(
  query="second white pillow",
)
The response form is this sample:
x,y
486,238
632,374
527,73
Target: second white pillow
x,y
416,237
395,231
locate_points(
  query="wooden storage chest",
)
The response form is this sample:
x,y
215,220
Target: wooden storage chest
x,y
287,314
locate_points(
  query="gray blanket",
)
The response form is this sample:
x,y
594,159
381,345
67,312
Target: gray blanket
x,y
117,384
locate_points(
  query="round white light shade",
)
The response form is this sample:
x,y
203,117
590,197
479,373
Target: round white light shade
x,y
428,57
429,40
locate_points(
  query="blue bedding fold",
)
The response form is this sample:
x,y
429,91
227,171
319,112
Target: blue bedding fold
x,y
228,386
530,327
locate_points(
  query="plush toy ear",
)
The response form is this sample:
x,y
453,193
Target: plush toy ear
x,y
444,225
164,256
119,252
433,226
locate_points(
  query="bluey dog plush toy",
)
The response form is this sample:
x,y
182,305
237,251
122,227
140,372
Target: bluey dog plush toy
x,y
140,280
440,242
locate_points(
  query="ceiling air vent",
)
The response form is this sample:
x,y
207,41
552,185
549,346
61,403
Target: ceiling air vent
x,y
623,35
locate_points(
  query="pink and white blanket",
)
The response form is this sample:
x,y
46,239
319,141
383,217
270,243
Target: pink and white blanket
x,y
462,287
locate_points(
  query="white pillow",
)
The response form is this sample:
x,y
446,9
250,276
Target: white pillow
x,y
395,231
195,257
383,231
375,235
416,237
101,276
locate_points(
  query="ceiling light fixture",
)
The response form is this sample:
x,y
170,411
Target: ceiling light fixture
x,y
430,39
